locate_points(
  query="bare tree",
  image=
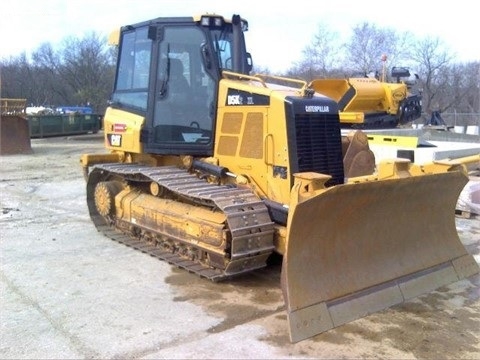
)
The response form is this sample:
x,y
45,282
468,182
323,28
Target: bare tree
x,y
321,56
369,45
80,72
433,62
468,87
48,86
16,75
260,70
87,68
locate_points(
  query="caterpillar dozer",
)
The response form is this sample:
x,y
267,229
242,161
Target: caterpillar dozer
x,y
215,171
369,103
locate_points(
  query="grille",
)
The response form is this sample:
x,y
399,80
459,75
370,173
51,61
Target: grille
x,y
319,145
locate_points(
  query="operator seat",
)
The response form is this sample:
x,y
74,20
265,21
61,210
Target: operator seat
x,y
179,85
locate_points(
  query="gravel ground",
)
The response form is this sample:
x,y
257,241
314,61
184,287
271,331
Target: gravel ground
x,y
69,292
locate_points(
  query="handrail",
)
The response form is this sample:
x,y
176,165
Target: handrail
x,y
244,76
300,84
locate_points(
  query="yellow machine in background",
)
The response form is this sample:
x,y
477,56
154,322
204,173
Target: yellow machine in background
x,y
368,103
214,170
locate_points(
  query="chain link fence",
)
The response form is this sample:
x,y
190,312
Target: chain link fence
x,y
461,119
454,119
468,123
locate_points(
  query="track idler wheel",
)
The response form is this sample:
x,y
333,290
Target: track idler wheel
x,y
105,193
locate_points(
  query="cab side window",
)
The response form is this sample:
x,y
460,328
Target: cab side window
x,y
131,89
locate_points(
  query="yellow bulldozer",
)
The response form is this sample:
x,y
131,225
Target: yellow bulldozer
x,y
215,171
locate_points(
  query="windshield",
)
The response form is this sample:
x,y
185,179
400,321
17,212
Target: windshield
x,y
223,45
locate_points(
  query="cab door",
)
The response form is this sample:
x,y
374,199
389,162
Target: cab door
x,y
182,121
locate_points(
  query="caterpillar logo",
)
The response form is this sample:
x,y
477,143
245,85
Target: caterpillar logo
x,y
114,140
316,109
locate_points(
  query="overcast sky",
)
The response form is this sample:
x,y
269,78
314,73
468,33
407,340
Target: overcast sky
x,y
279,31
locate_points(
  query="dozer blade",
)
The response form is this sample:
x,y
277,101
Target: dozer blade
x,y
360,248
14,135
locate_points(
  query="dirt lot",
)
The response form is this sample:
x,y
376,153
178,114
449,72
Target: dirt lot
x,y
69,292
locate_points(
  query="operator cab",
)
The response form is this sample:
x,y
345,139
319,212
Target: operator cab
x,y
168,71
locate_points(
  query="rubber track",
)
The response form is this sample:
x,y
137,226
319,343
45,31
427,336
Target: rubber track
x,y
247,217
